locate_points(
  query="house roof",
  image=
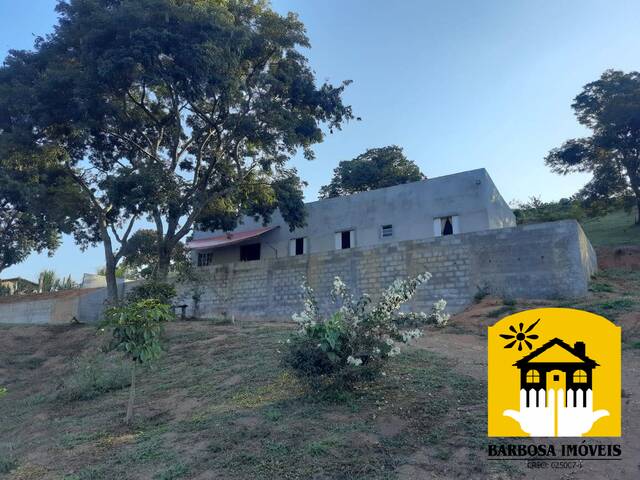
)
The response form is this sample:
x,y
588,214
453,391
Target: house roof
x,y
227,239
574,356
18,279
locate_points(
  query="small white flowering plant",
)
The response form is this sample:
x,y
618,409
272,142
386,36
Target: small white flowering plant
x,y
352,343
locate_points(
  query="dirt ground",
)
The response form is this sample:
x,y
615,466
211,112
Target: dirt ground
x,y
627,257
220,406
474,361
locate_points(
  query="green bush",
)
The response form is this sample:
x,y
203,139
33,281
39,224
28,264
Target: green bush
x,y
355,341
93,376
482,292
152,289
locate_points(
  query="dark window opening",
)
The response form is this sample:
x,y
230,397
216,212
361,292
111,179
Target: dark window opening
x,y
299,246
346,239
387,230
205,259
447,228
250,252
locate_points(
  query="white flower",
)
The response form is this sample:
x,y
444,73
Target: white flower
x,y
411,334
394,351
354,361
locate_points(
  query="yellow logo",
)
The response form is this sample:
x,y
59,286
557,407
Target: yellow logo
x,y
554,372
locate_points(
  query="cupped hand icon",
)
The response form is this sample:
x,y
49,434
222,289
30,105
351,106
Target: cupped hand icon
x,y
577,417
537,418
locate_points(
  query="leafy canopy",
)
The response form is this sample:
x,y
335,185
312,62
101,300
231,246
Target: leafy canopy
x,y
610,108
375,168
180,111
35,207
141,255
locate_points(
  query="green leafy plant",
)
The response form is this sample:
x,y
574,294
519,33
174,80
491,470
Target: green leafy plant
x,y
137,329
3,391
482,292
152,289
353,343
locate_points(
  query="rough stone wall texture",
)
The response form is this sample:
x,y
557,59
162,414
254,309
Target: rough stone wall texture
x,y
549,260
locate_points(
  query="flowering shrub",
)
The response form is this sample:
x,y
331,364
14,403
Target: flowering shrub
x,y
353,343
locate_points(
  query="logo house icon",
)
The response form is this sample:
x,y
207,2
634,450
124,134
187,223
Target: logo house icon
x,y
543,382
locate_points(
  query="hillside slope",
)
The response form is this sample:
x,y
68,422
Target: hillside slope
x,y
613,229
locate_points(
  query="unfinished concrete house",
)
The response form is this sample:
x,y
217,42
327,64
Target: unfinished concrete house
x,y
457,227
460,203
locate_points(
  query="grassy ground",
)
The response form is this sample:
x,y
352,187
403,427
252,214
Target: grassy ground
x,y
617,228
219,405
613,293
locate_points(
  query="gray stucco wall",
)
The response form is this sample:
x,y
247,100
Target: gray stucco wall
x,y
85,305
410,208
550,260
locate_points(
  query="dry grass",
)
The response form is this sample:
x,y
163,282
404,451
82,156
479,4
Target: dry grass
x,y
219,404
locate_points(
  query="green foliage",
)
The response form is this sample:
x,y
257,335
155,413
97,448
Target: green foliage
x,y
174,472
613,229
610,108
177,111
48,282
375,168
356,340
536,211
137,328
33,206
121,271
141,255
3,391
482,292
7,463
92,376
152,289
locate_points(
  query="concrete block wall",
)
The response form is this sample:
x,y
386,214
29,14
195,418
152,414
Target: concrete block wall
x,y
549,260
85,305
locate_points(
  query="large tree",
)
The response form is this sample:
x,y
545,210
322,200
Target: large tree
x,y
181,111
141,255
375,168
36,206
610,107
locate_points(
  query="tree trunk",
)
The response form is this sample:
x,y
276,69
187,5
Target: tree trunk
x,y
110,270
164,261
132,395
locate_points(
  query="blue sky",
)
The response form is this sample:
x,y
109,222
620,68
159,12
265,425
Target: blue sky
x,y
458,84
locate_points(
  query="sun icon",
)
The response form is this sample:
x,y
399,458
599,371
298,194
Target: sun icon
x,y
520,337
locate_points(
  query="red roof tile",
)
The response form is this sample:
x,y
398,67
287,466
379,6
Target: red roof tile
x,y
227,239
